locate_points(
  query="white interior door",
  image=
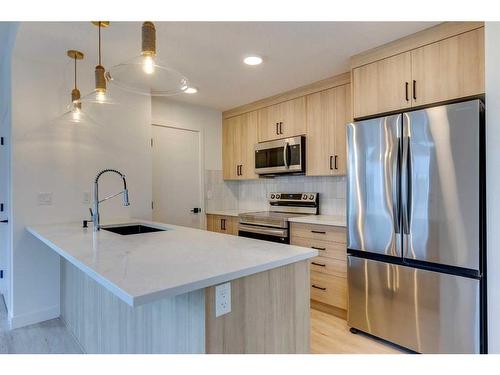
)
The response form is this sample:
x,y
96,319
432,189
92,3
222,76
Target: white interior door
x,y
177,182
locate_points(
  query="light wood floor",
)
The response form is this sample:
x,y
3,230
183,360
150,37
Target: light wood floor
x,y
331,335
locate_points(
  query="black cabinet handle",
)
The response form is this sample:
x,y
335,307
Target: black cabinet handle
x,y
318,287
241,169
318,248
222,224
277,131
319,264
318,232
335,164
406,92
281,130
331,158
414,89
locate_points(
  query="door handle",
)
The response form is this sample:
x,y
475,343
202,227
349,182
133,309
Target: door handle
x,y
285,155
281,129
335,163
318,232
331,159
195,210
4,221
318,248
406,92
277,131
408,198
414,90
396,188
241,169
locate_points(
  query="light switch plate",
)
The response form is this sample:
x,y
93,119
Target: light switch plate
x,y
222,299
44,199
86,197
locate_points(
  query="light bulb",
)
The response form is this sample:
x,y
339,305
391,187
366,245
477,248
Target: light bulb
x,y
148,64
100,96
76,114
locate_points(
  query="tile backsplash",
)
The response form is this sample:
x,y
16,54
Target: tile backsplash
x,y
252,194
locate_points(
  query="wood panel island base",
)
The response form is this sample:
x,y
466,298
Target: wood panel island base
x,y
155,292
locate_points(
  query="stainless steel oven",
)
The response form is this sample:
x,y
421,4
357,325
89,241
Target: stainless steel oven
x,y
273,225
281,156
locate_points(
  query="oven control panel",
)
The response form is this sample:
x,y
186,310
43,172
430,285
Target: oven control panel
x,y
293,197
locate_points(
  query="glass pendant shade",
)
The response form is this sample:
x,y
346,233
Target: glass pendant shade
x,y
99,97
74,113
146,74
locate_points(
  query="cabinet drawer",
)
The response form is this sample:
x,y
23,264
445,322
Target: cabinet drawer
x,y
336,250
329,266
222,224
329,289
319,232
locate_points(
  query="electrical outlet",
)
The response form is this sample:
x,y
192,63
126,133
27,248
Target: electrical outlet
x,y
44,199
86,197
222,299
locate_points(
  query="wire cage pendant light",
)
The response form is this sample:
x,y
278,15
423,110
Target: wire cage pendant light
x,y
146,74
100,95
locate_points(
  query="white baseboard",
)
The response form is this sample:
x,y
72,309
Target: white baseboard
x,y
18,321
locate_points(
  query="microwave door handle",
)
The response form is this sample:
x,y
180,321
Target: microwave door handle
x,y
285,155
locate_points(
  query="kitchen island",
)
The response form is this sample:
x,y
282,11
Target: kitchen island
x,y
155,292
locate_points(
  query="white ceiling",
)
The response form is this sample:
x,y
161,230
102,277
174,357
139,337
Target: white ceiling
x,y
210,53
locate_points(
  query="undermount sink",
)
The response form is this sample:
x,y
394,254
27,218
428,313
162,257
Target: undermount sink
x,y
128,229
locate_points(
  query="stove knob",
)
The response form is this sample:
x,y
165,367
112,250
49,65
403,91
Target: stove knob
x,y
277,196
272,196
304,197
311,197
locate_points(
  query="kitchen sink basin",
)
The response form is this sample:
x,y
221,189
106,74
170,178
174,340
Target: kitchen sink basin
x,y
128,229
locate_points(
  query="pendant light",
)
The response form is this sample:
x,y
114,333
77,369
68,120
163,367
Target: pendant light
x,y
100,95
74,113
146,74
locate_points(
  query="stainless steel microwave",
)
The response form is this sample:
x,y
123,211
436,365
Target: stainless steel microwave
x,y
281,156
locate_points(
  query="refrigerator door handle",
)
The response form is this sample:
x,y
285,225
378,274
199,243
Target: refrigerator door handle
x,y
396,190
407,193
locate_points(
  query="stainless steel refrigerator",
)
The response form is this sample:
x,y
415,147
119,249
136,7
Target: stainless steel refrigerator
x,y
416,228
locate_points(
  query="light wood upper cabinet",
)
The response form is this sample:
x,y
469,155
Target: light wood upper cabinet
x,y
282,120
247,141
449,69
239,135
327,115
382,86
230,148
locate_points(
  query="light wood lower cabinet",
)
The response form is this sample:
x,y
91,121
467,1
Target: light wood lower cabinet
x,y
222,224
329,269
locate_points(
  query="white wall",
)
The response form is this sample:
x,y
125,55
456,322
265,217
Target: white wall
x,y
63,159
187,116
492,44
7,37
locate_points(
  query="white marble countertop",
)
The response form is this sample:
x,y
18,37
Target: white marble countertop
x,y
146,267
336,221
230,212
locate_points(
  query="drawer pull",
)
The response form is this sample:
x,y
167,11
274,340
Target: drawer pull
x,y
318,248
318,287
319,264
318,232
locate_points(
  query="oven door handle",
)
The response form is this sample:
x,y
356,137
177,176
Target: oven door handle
x,y
263,230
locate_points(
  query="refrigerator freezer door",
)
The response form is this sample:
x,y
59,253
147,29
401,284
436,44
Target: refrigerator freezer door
x,y
443,185
373,185
425,311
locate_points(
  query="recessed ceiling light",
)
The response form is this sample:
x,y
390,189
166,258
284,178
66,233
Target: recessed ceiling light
x,y
253,60
191,90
